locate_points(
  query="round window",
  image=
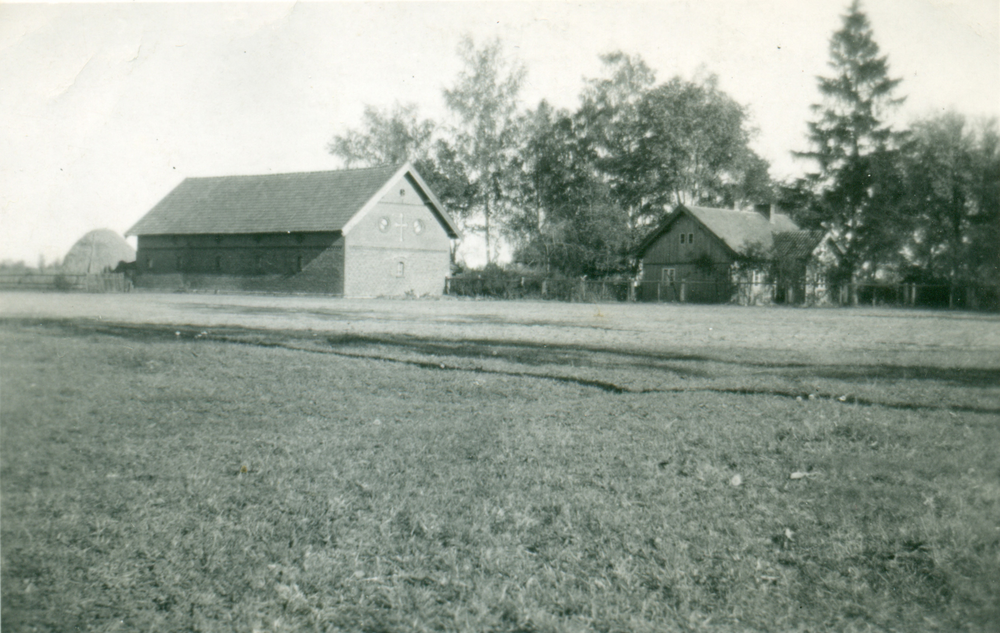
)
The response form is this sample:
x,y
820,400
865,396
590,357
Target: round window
x,y
383,224
418,226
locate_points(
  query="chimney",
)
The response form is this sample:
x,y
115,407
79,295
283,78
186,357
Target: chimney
x,y
765,210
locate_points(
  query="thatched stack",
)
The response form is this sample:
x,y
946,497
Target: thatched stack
x,y
96,252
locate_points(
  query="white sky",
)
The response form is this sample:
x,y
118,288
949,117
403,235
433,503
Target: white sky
x,y
106,107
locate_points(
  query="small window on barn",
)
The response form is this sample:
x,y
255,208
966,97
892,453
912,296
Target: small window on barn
x,y
682,238
399,269
668,275
690,238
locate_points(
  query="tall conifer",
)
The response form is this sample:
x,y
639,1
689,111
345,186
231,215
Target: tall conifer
x,y
856,186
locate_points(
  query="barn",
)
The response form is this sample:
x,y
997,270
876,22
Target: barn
x,y
695,254
359,232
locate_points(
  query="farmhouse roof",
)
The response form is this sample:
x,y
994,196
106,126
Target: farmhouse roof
x,y
796,245
280,203
737,229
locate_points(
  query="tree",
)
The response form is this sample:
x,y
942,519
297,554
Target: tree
x,y
563,220
611,129
697,142
854,148
484,102
952,182
385,137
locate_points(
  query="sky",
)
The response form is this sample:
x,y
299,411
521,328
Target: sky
x,y
107,107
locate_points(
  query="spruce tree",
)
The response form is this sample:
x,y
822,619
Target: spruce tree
x,y
856,187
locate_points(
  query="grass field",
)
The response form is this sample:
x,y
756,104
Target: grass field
x,y
179,462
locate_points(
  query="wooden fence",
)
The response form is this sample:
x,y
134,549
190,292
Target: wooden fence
x,y
101,282
743,293
512,287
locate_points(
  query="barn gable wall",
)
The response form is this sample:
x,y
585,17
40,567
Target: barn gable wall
x,y
387,253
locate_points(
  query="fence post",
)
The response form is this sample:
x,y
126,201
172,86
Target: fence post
x,y
658,292
683,291
545,288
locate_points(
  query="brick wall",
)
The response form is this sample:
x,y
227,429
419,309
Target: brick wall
x,y
399,230
375,272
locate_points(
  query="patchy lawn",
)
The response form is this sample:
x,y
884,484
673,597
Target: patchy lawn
x,y
219,477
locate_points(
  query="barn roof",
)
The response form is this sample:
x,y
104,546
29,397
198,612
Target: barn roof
x,y
279,203
737,229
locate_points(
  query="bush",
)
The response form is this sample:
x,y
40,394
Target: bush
x,y
497,283
62,282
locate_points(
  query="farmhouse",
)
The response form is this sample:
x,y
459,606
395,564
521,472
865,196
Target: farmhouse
x,y
705,254
360,232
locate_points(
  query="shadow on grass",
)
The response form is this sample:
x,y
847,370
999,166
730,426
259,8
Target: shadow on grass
x,y
527,353
535,355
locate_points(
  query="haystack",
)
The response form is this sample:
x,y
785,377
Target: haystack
x,y
96,252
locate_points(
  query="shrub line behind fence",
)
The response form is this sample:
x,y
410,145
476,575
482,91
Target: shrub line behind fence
x,y
974,297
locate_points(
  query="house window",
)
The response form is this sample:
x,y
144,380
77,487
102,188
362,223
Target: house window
x,y
399,269
682,238
690,238
668,275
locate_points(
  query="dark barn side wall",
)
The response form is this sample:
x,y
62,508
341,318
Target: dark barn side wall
x,y
385,237
276,262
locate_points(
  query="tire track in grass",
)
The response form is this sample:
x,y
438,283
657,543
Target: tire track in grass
x,y
279,339
611,387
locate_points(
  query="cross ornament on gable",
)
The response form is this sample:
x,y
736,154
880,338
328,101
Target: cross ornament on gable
x,y
402,227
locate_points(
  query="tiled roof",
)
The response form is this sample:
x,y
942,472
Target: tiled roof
x,y
741,229
796,244
308,201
